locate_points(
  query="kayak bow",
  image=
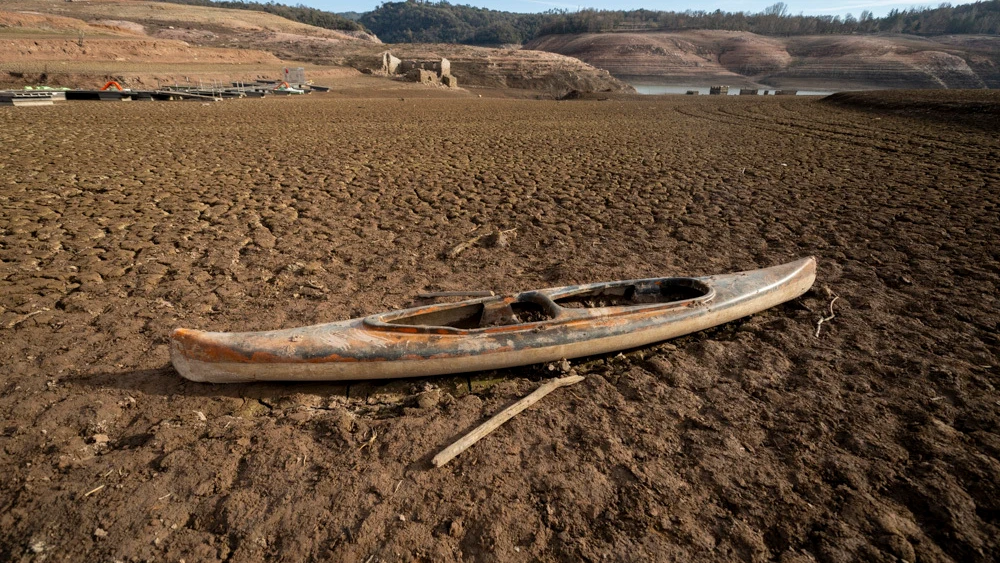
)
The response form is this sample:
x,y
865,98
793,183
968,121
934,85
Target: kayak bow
x,y
489,333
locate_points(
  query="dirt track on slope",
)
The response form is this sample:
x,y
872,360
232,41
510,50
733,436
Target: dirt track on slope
x,y
758,440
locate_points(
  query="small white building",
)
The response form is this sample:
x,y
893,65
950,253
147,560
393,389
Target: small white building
x,y
295,75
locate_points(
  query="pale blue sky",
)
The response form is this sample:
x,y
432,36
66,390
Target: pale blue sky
x,y
810,8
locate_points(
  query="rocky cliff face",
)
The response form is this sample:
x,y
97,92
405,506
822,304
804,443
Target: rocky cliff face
x,y
820,61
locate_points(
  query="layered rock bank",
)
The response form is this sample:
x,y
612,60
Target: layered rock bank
x,y
742,58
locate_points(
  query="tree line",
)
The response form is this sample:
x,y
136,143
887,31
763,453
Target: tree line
x,y
442,22
977,18
416,21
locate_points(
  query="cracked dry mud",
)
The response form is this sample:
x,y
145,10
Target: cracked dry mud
x,y
753,441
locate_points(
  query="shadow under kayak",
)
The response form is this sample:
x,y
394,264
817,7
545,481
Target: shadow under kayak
x,y
489,333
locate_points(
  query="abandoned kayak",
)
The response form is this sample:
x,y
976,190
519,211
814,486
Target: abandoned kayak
x,y
489,333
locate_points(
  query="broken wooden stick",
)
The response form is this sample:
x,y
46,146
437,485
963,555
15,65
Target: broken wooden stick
x,y
92,491
493,238
23,318
458,249
471,293
827,319
501,238
503,416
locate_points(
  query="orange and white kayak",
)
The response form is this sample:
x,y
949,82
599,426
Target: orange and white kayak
x,y
491,332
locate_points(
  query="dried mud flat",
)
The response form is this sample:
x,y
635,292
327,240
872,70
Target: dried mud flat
x,y
758,440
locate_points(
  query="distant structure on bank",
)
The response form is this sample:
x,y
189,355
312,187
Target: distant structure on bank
x,y
718,90
295,75
431,72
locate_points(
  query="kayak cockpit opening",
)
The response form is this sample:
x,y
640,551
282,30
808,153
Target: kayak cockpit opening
x,y
527,308
462,317
532,307
667,290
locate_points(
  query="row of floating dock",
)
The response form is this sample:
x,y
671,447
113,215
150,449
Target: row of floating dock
x,y
172,93
724,90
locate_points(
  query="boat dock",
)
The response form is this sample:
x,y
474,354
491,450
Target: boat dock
x,y
26,98
176,92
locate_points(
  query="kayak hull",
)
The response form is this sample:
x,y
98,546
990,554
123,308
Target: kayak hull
x,y
438,340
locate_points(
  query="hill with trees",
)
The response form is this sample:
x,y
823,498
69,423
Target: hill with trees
x,y
944,47
976,18
414,21
442,22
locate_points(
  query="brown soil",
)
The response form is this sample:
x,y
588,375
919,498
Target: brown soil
x,y
876,440
974,108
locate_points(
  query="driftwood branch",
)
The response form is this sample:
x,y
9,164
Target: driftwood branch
x,y
503,416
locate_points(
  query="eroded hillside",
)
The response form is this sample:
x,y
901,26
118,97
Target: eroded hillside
x,y
64,43
143,43
175,21
745,58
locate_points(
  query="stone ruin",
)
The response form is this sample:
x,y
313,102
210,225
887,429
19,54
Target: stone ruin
x,y
425,72
389,63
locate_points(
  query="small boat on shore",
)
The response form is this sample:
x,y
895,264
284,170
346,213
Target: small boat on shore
x,y
491,332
